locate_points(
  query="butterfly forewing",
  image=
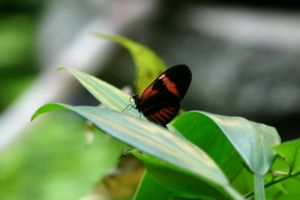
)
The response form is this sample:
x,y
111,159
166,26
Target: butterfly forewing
x,y
177,80
149,92
160,101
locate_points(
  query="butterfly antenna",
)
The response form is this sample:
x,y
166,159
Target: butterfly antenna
x,y
126,107
129,105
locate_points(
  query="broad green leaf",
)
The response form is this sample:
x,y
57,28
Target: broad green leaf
x,y
244,182
252,140
108,95
290,151
149,186
154,140
177,182
148,64
206,134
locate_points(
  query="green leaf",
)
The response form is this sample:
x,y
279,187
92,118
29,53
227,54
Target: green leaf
x,y
244,182
290,151
148,64
253,141
154,140
108,95
149,186
178,183
207,135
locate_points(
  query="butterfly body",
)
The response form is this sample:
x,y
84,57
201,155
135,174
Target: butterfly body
x,y
160,101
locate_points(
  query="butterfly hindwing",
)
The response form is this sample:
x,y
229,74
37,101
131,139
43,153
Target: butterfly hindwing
x,y
161,108
164,115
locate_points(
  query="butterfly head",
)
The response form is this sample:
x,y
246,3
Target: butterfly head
x,y
136,100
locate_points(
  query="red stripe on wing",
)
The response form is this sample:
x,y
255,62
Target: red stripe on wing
x,y
149,91
163,116
170,85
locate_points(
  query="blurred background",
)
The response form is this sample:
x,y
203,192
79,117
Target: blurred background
x,y
244,56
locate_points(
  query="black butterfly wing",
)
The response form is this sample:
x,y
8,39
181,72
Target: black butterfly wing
x,y
161,108
176,80
164,115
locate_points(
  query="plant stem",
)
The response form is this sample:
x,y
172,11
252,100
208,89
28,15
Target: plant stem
x,y
259,189
274,182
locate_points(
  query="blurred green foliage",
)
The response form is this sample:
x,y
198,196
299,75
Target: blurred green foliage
x,y
18,61
24,6
16,39
53,162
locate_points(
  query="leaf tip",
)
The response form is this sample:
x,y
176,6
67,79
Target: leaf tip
x,y
46,108
36,113
33,117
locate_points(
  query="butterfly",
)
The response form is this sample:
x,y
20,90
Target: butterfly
x,y
159,102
